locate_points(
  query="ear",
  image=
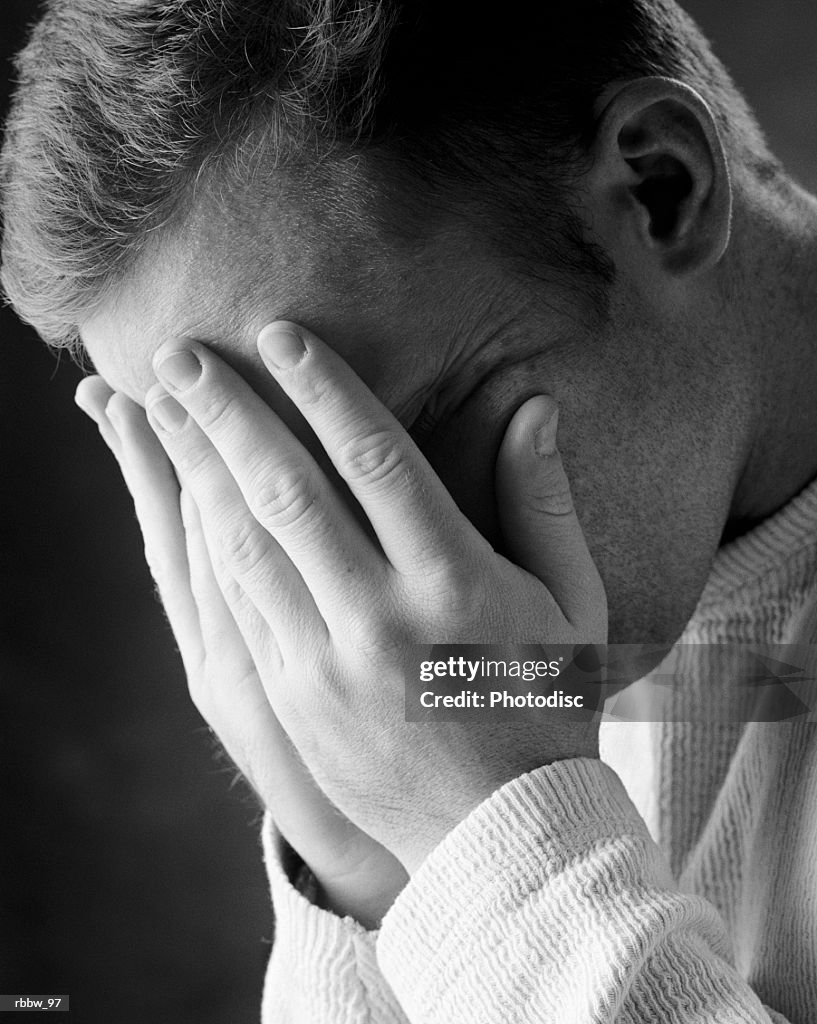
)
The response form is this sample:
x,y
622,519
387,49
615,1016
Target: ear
x,y
661,176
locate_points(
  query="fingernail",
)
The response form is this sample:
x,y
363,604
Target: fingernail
x,y
88,403
168,414
544,441
84,406
281,346
180,370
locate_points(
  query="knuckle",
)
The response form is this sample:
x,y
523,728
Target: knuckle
x,y
314,387
554,500
230,588
218,411
455,592
284,499
378,634
195,462
375,458
242,543
463,598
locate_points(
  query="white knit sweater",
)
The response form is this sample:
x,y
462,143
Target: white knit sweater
x,y
688,896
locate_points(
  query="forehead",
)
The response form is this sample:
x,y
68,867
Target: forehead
x,y
229,268
177,293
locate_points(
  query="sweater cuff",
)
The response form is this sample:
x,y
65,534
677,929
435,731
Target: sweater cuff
x,y
458,905
323,967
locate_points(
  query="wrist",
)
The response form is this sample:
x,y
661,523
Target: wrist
x,y
367,895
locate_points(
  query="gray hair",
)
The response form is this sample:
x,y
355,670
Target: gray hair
x,y
124,107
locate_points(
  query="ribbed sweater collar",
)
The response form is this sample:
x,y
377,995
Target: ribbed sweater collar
x,y
767,551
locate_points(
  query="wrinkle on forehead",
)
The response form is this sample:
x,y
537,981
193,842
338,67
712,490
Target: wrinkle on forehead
x,y
122,339
227,270
233,263
235,260
177,294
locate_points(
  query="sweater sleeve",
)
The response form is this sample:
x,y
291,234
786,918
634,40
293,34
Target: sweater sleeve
x,y
552,903
323,968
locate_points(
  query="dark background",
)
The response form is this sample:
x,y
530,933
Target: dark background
x,y
130,874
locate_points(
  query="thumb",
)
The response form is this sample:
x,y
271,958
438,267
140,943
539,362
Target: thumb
x,y
539,524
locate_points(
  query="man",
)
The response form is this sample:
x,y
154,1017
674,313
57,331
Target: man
x,y
477,220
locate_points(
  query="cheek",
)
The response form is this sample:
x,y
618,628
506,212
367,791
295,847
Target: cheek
x,y
651,508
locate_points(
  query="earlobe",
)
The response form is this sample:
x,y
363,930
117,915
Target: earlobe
x,y
660,166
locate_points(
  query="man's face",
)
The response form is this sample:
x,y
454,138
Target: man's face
x,y
453,349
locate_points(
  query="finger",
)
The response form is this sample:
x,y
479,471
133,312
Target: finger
x,y
224,641
234,700
228,690
537,516
152,483
415,519
236,633
92,396
281,483
251,554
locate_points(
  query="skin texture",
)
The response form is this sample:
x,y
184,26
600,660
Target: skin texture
x,y
669,425
662,403
299,629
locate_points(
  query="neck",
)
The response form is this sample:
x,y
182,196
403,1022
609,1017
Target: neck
x,y
775,304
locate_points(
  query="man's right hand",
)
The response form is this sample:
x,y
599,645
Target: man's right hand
x,y
355,874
